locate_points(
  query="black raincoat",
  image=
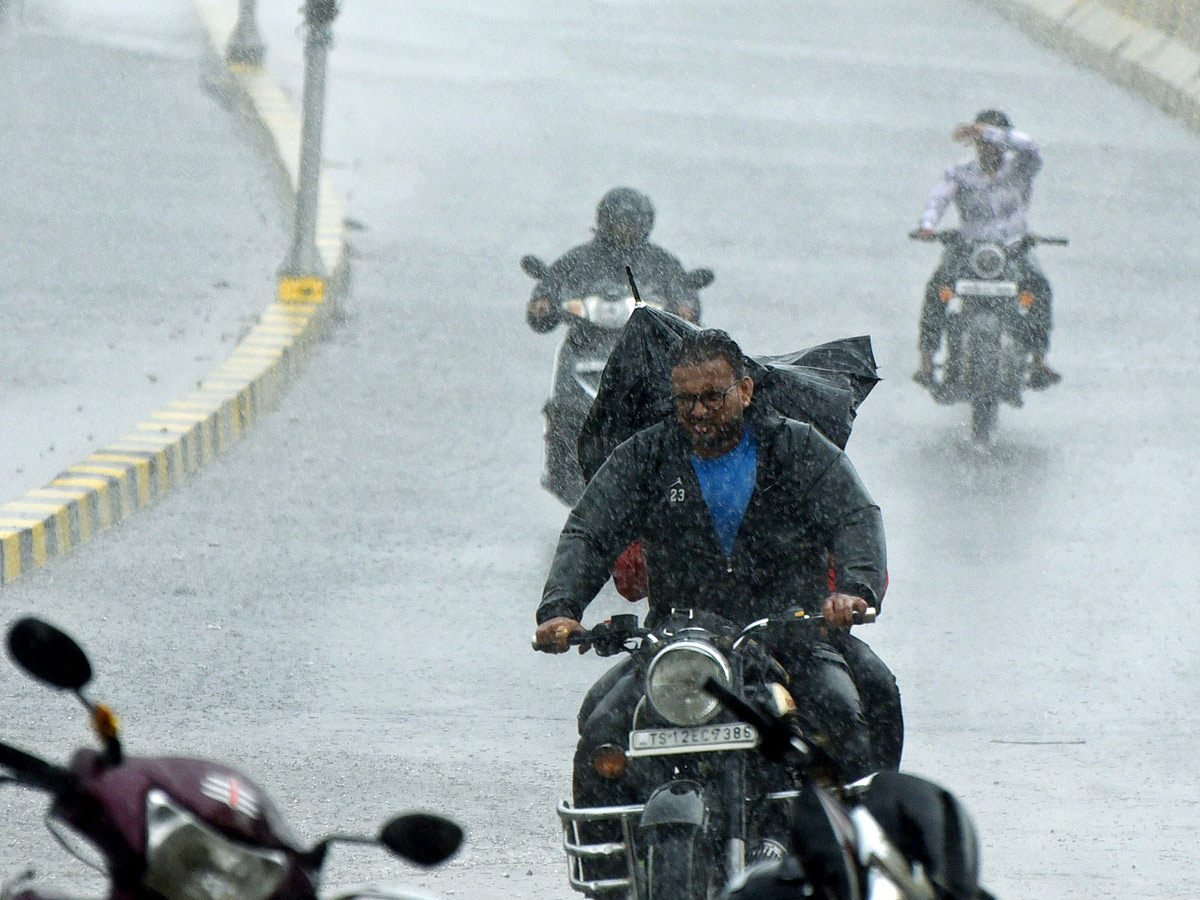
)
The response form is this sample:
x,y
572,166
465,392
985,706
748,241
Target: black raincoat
x,y
624,219
807,503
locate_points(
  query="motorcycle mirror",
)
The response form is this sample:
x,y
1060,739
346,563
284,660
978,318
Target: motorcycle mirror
x,y
623,622
49,655
700,278
534,267
422,838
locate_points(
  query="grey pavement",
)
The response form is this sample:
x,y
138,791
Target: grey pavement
x,y
141,228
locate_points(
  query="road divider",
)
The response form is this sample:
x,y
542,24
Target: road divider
x,y
173,442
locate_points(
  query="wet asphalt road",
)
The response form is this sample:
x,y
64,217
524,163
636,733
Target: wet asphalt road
x,y
343,603
138,217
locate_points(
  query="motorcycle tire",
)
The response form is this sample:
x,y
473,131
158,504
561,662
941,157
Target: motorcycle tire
x,y
676,867
983,420
561,475
983,376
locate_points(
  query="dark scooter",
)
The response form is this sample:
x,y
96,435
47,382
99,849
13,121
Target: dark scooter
x,y
706,803
594,320
986,360
175,828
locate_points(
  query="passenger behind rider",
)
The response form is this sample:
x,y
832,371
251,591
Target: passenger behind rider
x,y
739,509
992,194
624,218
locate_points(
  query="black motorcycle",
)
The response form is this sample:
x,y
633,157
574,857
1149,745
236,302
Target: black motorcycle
x,y
890,836
986,361
703,804
594,320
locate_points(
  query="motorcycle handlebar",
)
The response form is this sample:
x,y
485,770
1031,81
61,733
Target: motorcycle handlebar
x,y
951,236
613,639
30,770
585,638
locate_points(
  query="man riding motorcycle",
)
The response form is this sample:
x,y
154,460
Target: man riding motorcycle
x,y
624,218
992,195
740,511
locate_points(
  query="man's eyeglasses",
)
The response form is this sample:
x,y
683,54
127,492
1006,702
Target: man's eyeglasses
x,y
710,400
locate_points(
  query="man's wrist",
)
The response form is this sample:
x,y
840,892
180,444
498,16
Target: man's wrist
x,y
555,610
861,591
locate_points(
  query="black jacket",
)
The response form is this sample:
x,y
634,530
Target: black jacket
x,y
659,275
807,503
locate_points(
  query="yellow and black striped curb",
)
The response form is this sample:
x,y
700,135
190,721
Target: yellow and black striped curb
x,y
172,443
1151,47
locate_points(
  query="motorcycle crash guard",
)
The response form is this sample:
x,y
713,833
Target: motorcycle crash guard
x,y
928,824
676,803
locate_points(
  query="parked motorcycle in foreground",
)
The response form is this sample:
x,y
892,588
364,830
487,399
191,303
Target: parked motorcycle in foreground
x,y
700,803
986,360
594,317
890,836
176,828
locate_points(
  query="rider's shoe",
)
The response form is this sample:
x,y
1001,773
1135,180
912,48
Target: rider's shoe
x,y
1041,376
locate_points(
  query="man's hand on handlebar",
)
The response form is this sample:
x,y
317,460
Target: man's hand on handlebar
x,y
552,635
840,610
539,308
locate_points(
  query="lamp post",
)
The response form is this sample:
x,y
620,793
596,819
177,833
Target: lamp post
x,y
302,273
245,47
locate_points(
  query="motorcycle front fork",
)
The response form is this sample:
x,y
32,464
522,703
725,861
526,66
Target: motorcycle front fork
x,y
735,800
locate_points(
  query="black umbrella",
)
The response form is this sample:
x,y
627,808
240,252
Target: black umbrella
x,y
822,385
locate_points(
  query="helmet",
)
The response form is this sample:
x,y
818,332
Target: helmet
x,y
625,216
993,117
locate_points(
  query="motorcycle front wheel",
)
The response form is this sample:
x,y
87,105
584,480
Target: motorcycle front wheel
x,y
983,377
983,420
676,867
560,469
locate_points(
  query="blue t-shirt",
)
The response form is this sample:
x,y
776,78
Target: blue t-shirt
x,y
727,481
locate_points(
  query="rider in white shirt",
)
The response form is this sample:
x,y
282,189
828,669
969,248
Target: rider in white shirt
x,y
991,194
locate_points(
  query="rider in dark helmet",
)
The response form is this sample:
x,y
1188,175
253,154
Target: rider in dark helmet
x,y
992,194
624,218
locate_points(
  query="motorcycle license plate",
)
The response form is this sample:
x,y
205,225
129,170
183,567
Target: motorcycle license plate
x,y
986,288
700,739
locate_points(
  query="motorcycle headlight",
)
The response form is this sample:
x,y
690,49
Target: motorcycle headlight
x,y
675,682
187,860
987,260
609,313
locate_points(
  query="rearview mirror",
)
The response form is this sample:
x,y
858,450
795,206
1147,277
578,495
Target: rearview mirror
x,y
534,267
49,655
422,838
